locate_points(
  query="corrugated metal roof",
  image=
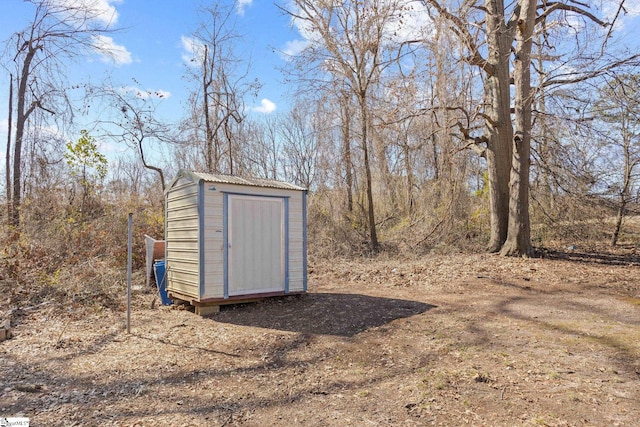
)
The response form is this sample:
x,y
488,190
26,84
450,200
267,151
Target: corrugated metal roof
x,y
255,182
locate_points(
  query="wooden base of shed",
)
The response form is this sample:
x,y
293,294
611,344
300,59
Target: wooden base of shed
x,y
5,330
212,305
205,310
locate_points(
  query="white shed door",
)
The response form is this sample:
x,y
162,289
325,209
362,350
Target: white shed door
x,y
256,247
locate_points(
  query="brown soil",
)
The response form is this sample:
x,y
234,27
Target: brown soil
x,y
443,340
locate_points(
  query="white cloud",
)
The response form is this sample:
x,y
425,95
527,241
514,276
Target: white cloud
x,y
110,51
304,27
242,4
633,9
611,8
266,106
103,11
193,50
413,23
406,20
294,47
95,13
110,147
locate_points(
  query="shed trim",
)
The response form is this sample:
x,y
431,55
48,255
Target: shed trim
x,y
304,241
225,248
284,238
166,221
232,179
272,196
286,245
201,236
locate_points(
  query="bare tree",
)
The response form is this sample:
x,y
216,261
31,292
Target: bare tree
x,y
619,108
350,42
126,179
7,163
262,149
58,32
345,121
222,83
498,39
300,132
129,116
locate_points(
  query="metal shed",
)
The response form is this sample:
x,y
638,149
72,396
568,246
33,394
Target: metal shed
x,y
229,239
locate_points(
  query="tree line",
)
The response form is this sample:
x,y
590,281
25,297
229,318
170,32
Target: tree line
x,y
414,122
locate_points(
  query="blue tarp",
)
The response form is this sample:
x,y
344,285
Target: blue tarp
x,y
159,269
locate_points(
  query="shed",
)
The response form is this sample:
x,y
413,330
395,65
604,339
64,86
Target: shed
x,y
229,239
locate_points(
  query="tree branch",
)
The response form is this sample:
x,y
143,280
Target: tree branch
x,y
596,73
459,27
553,6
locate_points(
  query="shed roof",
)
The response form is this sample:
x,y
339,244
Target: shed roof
x,y
230,179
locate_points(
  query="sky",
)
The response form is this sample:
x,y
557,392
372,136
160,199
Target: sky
x,y
152,48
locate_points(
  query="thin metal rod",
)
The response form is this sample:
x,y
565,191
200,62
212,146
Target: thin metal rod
x,y
129,250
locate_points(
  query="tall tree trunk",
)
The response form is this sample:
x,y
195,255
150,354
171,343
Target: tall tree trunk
x,y
8,156
21,123
624,192
618,225
206,82
498,122
375,245
149,166
409,171
14,219
229,136
436,156
546,191
346,141
519,235
380,151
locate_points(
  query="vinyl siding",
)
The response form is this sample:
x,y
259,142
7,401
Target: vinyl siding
x,y
181,236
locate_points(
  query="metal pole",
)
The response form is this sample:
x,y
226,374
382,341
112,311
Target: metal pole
x,y
129,249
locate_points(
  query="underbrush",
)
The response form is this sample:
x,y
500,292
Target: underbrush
x,y
434,224
61,259
91,283
58,256
583,226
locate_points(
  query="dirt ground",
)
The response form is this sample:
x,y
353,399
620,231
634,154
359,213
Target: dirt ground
x,y
449,340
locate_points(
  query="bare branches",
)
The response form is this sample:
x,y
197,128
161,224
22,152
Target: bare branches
x,y
615,19
59,31
130,117
221,84
550,7
577,77
476,144
459,27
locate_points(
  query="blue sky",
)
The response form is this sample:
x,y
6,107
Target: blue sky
x,y
150,48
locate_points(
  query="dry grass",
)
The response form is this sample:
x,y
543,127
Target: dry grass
x,y
443,339
418,335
